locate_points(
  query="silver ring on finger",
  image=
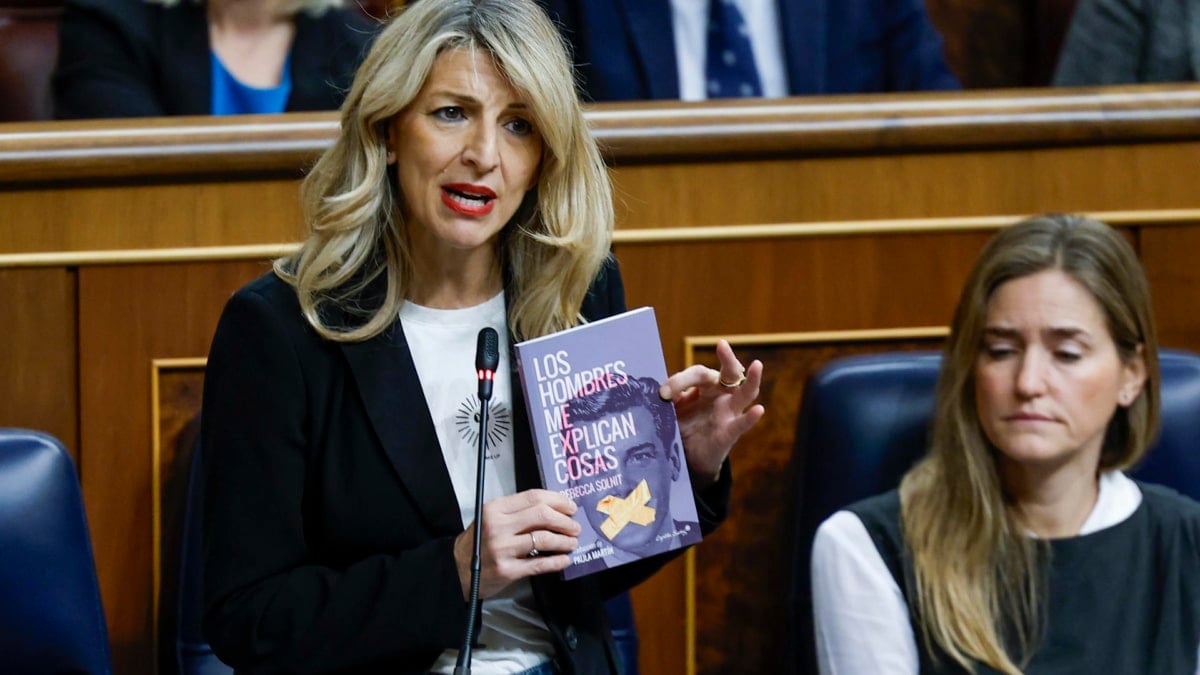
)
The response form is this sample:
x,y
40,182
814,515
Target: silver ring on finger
x,y
533,549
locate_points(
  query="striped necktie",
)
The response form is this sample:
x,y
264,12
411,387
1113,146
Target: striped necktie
x,y
729,61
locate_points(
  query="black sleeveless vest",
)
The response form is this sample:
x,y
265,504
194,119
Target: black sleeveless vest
x,y
1124,600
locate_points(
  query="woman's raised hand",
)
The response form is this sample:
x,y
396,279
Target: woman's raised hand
x,y
714,407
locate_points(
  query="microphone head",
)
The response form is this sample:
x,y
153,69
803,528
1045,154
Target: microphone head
x,y
487,350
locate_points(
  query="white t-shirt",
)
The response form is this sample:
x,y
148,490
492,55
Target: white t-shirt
x,y
859,613
442,342
689,20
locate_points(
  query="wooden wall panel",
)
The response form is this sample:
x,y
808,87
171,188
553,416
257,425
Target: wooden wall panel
x,y
38,379
648,196
918,185
1169,255
129,316
797,284
149,215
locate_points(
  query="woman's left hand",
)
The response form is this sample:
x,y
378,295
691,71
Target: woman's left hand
x,y
715,407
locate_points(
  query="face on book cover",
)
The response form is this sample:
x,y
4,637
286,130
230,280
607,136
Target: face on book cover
x,y
641,457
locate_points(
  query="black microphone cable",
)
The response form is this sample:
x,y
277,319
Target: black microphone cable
x,y
487,358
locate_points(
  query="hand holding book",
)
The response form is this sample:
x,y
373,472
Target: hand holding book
x,y
523,535
608,437
714,408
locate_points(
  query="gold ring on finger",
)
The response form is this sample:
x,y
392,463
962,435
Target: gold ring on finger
x,y
732,385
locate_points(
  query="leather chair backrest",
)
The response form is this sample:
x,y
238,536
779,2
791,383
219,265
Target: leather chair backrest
x,y
51,617
195,657
28,50
864,421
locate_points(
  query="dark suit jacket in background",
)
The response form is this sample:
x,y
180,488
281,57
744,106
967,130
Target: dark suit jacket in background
x,y
330,517
1131,41
625,49
133,58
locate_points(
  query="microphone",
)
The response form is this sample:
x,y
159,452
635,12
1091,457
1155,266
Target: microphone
x,y
487,358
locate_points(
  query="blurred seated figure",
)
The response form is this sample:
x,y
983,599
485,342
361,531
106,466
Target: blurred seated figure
x,y
1130,41
143,58
629,50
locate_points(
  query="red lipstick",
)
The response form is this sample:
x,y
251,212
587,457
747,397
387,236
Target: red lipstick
x,y
467,199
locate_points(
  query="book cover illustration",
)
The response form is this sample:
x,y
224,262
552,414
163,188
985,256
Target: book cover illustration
x,y
606,440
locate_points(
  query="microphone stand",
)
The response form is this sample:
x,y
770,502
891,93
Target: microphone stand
x,y
487,358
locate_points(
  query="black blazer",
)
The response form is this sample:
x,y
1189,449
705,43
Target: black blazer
x,y
134,58
330,517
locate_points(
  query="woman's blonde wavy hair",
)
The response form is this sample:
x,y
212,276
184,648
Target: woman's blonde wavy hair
x,y
979,581
357,238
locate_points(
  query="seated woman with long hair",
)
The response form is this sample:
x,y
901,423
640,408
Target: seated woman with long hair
x,y
1018,545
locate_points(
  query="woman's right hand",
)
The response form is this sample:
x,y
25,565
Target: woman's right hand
x,y
524,534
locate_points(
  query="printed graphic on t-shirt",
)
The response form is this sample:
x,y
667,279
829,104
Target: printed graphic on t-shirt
x,y
499,424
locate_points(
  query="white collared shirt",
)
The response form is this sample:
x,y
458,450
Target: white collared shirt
x,y
861,618
689,20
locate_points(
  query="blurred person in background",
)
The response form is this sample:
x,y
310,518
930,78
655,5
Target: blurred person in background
x,y
1131,41
693,50
146,58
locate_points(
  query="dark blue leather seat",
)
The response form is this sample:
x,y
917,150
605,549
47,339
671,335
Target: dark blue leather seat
x,y
195,657
51,617
863,423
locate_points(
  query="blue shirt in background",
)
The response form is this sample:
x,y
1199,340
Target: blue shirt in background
x,y
231,97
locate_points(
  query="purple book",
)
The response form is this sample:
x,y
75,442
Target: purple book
x,y
607,441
